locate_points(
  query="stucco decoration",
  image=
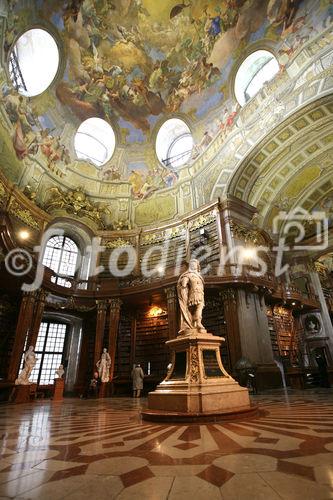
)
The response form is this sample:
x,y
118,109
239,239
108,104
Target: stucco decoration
x,y
136,63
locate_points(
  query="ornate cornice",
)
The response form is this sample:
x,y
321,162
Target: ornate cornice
x,y
116,243
202,220
23,214
247,234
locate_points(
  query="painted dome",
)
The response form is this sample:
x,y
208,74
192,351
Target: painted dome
x,y
136,64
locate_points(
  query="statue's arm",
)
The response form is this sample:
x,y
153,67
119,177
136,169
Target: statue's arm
x,y
184,282
183,290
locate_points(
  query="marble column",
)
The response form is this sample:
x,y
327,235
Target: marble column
x,y
115,305
255,338
37,317
325,315
228,297
171,295
102,306
23,324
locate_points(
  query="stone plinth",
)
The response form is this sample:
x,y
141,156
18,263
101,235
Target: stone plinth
x,y
22,394
197,384
58,391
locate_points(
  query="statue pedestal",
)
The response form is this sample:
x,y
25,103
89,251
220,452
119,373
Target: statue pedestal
x,y
58,391
22,393
197,387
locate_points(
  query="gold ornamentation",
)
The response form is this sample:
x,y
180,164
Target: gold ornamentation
x,y
75,202
117,243
168,234
248,235
2,192
151,238
23,214
115,304
194,364
321,269
102,305
29,192
202,220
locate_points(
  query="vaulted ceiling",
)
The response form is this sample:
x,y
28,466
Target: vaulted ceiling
x,y
136,63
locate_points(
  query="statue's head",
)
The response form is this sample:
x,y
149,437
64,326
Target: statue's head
x,y
104,350
194,265
31,348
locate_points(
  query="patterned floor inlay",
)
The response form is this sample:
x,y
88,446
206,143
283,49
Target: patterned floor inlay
x,y
101,448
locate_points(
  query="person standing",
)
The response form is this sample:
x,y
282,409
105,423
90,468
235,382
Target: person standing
x,y
137,377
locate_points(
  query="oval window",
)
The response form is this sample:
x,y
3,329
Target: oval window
x,y
255,71
95,141
174,143
33,62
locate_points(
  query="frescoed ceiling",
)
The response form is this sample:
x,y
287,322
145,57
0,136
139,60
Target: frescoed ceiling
x,y
135,63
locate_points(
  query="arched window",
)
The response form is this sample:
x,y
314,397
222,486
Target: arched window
x,y
257,69
174,143
61,255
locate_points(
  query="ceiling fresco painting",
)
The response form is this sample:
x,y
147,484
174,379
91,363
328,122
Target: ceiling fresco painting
x,y
135,63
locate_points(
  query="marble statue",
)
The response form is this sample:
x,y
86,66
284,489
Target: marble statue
x,y
30,360
60,371
103,366
190,290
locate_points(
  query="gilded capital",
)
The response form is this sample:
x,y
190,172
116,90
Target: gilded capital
x,y
115,304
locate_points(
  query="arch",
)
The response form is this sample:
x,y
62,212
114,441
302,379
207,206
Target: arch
x,y
61,254
289,161
83,238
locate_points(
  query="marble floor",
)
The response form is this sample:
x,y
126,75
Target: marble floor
x,y
101,449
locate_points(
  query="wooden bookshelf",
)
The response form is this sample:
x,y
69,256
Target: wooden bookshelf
x,y
283,324
151,335
214,322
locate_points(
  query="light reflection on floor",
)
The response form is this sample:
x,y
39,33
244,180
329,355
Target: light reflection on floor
x,y
101,448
